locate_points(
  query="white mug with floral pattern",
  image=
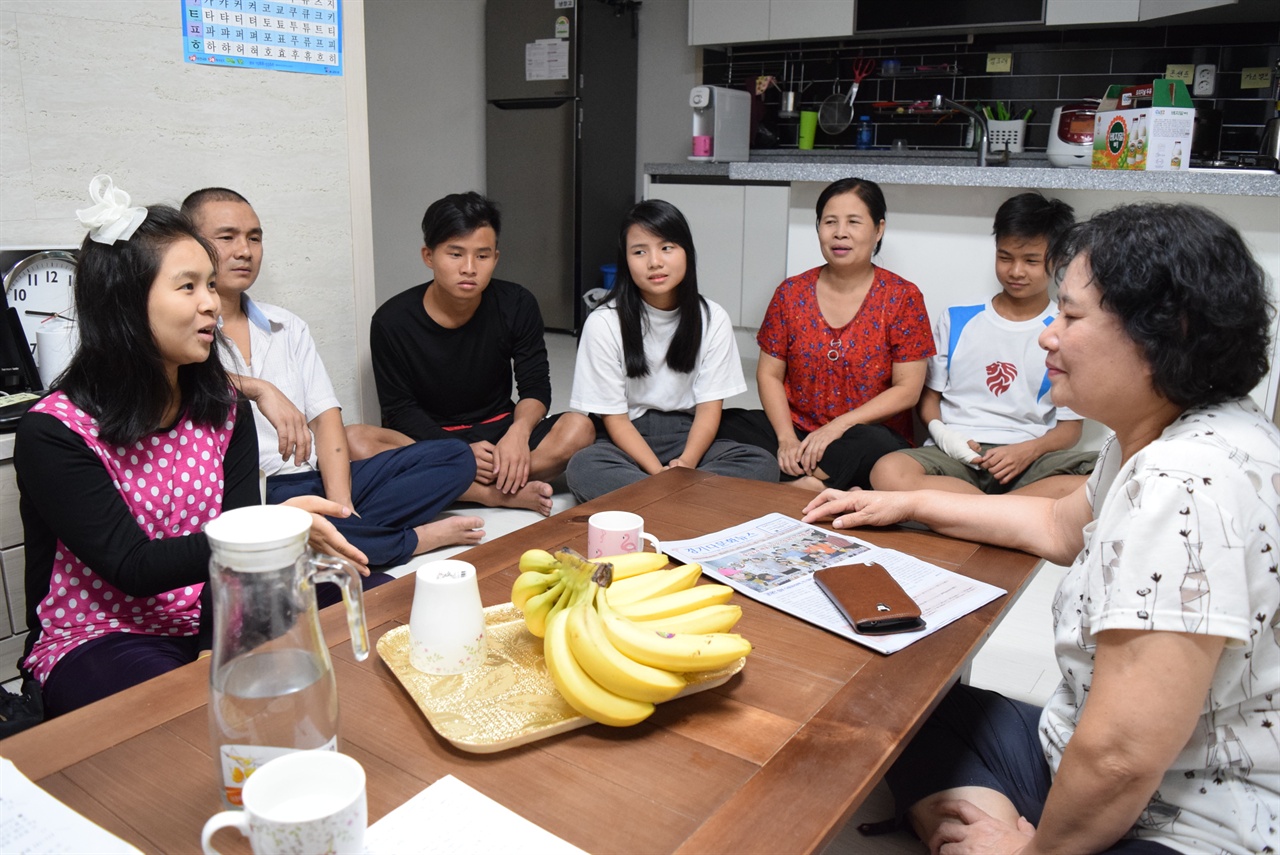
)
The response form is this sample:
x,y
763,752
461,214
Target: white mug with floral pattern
x,y
300,803
446,623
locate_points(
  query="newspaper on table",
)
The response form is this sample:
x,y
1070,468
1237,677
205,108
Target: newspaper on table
x,y
772,560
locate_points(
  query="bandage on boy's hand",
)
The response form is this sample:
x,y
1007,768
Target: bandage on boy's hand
x,y
952,442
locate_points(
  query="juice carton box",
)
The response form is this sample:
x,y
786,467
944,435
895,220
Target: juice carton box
x,y
1144,127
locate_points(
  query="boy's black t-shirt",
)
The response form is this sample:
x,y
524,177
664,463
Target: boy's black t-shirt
x,y
430,377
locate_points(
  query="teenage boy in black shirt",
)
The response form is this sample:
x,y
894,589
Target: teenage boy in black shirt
x,y
443,356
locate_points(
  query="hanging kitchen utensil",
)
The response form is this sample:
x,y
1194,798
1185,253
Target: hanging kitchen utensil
x,y
861,68
787,106
836,113
790,104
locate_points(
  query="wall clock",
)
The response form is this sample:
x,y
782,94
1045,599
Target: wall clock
x,y
39,285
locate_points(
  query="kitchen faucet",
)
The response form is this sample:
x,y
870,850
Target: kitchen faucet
x,y
980,132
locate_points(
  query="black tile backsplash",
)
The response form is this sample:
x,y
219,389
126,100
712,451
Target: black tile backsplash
x,y
1149,62
1241,112
1055,61
1247,56
1050,68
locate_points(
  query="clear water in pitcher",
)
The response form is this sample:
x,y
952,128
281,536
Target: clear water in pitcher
x,y
267,704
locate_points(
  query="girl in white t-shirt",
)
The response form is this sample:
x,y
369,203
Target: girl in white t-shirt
x,y
655,362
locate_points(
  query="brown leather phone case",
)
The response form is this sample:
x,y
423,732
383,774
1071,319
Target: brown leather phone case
x,y
870,599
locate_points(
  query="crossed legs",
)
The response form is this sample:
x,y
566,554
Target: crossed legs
x,y
568,433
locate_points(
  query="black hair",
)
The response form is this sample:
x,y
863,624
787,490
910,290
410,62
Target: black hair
x,y
1188,292
459,214
117,374
1028,216
198,199
868,191
663,219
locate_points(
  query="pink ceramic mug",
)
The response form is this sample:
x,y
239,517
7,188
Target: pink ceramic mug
x,y
702,146
617,533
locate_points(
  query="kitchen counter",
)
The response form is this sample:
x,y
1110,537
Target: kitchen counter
x,y
956,169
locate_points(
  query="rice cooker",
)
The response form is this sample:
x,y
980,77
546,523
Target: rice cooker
x,y
1071,135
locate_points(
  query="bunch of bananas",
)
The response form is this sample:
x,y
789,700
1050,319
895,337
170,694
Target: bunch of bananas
x,y
620,633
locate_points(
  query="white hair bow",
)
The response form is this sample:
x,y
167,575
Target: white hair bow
x,y
110,219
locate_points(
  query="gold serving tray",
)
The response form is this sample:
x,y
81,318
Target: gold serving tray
x,y
508,701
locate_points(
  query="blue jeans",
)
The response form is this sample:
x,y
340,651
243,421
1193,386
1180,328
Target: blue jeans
x,y
393,492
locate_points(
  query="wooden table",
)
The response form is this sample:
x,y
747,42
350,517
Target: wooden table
x,y
774,761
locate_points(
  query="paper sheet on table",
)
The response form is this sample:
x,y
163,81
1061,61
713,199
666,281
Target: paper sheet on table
x,y
32,821
451,818
771,559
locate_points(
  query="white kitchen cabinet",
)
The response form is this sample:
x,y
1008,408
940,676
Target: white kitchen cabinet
x,y
764,249
740,233
13,567
724,21
6,621
713,22
1150,9
1059,12
13,609
715,215
10,522
1062,12
810,19
716,22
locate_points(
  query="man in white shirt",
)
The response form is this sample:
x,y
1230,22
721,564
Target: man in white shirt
x,y
302,444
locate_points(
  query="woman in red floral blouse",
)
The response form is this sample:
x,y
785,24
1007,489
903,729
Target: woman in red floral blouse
x,y
843,350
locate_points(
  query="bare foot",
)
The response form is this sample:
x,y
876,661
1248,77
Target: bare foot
x,y
533,496
449,531
808,482
536,496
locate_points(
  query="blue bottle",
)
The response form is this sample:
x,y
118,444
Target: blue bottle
x,y
866,132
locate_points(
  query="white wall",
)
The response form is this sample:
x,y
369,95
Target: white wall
x,y
426,86
425,65
668,69
426,122
88,86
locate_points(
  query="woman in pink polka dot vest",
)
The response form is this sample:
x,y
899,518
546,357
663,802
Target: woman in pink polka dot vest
x,y
140,444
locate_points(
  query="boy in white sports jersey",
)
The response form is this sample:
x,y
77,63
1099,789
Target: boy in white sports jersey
x,y
992,425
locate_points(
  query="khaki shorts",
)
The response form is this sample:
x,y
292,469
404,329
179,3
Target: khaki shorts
x,y
937,462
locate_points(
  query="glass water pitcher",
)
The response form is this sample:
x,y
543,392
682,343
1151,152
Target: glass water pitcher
x,y
272,687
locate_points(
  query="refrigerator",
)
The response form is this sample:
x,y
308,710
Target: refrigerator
x,y
560,132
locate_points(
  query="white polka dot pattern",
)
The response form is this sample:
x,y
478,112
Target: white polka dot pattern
x,y
149,476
